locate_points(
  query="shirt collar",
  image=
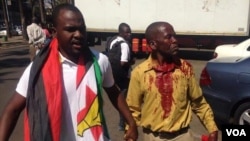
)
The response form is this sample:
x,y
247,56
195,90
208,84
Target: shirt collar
x,y
65,60
120,38
152,63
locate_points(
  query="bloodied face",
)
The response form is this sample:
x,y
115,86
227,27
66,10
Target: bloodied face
x,y
163,40
71,34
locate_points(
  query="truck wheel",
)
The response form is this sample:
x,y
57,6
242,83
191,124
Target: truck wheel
x,y
242,114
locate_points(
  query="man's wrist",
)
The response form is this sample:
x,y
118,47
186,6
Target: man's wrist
x,y
213,135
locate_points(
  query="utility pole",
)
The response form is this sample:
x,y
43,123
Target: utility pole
x,y
6,18
42,13
24,34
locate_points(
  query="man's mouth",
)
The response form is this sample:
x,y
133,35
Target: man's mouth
x,y
175,48
76,44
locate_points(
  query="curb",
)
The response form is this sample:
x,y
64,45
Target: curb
x,y
13,42
14,39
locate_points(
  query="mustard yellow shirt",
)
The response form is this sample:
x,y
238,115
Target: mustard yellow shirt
x,y
170,108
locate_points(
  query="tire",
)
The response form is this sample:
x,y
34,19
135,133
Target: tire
x,y
242,114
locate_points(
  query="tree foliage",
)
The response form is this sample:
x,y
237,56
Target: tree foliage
x,y
30,8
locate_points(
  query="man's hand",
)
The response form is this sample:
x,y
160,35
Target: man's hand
x,y
131,134
132,61
213,136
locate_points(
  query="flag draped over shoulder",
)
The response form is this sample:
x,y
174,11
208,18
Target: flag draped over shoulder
x,y
43,112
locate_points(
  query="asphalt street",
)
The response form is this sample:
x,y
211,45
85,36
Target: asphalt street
x,y
14,58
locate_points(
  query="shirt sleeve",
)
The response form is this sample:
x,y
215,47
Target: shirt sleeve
x,y
135,95
41,35
29,34
200,106
125,53
106,69
22,85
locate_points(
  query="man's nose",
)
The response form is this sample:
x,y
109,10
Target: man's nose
x,y
78,33
129,34
174,40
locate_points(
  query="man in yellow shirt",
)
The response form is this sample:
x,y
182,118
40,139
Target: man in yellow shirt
x,y
163,91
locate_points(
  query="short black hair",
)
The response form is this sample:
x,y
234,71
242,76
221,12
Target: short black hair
x,y
153,29
35,20
120,28
59,7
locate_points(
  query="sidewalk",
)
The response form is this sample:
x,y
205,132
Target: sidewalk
x,y
13,39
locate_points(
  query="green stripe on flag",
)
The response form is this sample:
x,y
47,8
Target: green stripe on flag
x,y
98,75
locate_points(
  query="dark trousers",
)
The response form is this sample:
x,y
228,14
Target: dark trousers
x,y
122,120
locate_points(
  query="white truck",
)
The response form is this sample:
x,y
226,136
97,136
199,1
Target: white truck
x,y
196,22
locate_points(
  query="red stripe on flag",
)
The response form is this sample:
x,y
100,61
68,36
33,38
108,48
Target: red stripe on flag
x,y
96,131
90,97
26,126
53,82
80,71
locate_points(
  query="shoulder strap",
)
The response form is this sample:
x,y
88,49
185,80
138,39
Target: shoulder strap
x,y
110,41
117,44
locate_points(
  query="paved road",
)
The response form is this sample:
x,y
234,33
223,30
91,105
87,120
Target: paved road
x,y
14,59
12,63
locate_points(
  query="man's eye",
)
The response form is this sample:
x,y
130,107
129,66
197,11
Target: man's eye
x,y
71,29
168,36
82,30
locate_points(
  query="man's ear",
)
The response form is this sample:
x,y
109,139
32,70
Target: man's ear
x,y
152,44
